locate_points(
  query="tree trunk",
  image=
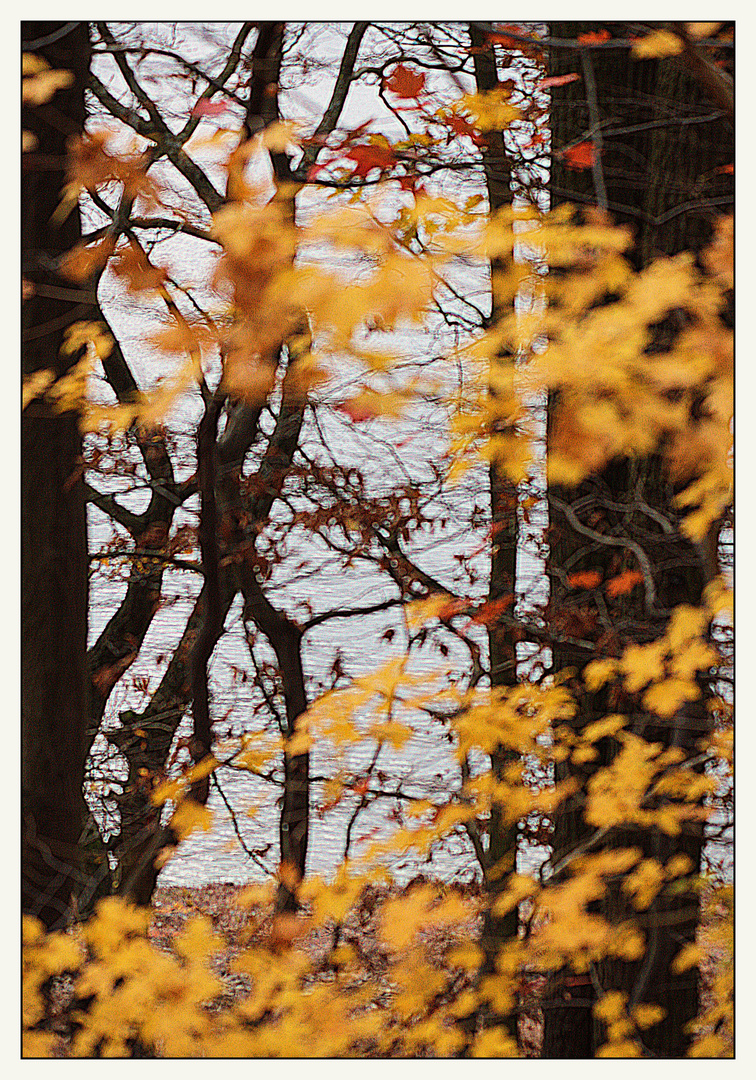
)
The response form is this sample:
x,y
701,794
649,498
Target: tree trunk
x,y
54,543
501,854
663,177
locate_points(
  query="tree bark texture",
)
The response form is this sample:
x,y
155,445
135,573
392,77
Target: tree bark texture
x,y
54,545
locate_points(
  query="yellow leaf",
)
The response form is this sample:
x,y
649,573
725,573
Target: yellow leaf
x,y
678,865
718,597
644,882
40,87
31,64
401,918
190,815
495,1042
279,136
646,1016
599,729
610,1007
658,44
624,1048
196,942
702,29
709,1046
599,672
38,1044
468,956
35,385
168,790
665,698
689,956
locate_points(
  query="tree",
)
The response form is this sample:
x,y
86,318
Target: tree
x,y
54,545
290,359
660,154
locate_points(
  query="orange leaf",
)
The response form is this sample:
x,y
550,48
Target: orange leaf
x,y
487,613
596,37
582,156
82,261
585,579
286,928
453,607
405,83
623,583
461,126
557,80
288,874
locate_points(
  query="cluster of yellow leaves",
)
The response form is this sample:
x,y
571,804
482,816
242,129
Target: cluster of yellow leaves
x,y
137,991
668,666
618,398
570,932
94,163
188,815
622,1026
40,83
129,991
490,110
615,395
658,44
364,710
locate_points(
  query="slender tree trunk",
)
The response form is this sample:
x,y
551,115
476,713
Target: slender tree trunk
x,y
283,634
54,543
501,854
661,174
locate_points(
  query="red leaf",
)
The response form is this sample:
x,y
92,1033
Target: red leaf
x,y
205,107
624,583
371,157
596,37
726,168
405,83
557,80
461,126
582,156
585,579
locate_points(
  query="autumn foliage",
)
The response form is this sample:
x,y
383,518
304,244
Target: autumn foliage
x,y
575,324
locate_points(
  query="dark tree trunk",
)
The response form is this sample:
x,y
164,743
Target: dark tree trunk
x,y
54,543
501,853
661,174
